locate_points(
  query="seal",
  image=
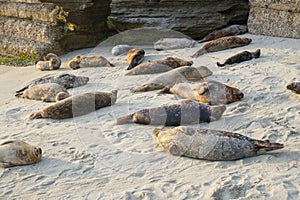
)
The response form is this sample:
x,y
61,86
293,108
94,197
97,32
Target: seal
x,y
227,31
65,80
14,153
47,92
88,61
51,62
135,57
210,144
120,49
211,92
173,43
222,44
240,57
159,66
294,87
186,112
177,75
77,105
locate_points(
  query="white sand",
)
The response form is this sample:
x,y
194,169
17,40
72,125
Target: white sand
x,y
89,157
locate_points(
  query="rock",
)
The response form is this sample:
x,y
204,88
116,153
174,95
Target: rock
x,y
275,18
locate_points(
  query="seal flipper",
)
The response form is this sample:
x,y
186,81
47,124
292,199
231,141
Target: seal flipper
x,y
220,65
199,53
24,88
165,90
36,115
266,145
256,54
124,120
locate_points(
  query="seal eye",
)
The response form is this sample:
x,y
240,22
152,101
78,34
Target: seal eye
x,y
37,151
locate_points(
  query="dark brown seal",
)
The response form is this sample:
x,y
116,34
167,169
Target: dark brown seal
x,y
135,57
240,57
212,145
227,31
294,87
221,44
77,105
186,112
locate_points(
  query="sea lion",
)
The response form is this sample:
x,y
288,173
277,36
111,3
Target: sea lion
x,y
159,66
178,75
186,112
294,87
88,61
47,92
227,31
120,49
211,145
13,153
212,92
50,62
65,80
221,44
173,43
240,57
135,57
77,105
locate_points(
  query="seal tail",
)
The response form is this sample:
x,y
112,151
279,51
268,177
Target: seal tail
x,y
21,90
111,65
124,120
165,90
36,115
199,53
266,145
220,65
19,94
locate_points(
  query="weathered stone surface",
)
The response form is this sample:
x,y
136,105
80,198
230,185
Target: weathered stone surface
x,y
195,18
275,18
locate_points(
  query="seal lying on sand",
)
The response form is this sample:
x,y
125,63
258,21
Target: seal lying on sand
x,y
50,62
159,66
77,105
294,87
221,44
212,92
173,43
240,57
65,80
135,57
13,153
120,49
209,144
186,112
227,31
89,61
178,75
47,92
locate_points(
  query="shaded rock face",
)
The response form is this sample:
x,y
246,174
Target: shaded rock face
x,y
275,18
195,18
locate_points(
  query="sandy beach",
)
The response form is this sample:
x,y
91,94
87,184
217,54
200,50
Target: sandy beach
x,y
89,157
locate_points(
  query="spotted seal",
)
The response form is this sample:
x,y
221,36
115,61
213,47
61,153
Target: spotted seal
x,y
211,145
135,57
186,112
88,61
51,62
14,153
47,92
240,57
77,105
159,66
212,92
221,44
294,87
227,31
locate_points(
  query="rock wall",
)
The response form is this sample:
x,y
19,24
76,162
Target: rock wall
x,y
195,18
35,28
275,18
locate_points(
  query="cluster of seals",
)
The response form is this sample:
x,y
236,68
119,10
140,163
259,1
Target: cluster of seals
x,y
77,105
159,66
89,61
240,57
14,153
50,62
47,92
294,87
173,43
135,57
211,145
65,80
222,44
186,112
211,92
120,49
227,31
178,75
